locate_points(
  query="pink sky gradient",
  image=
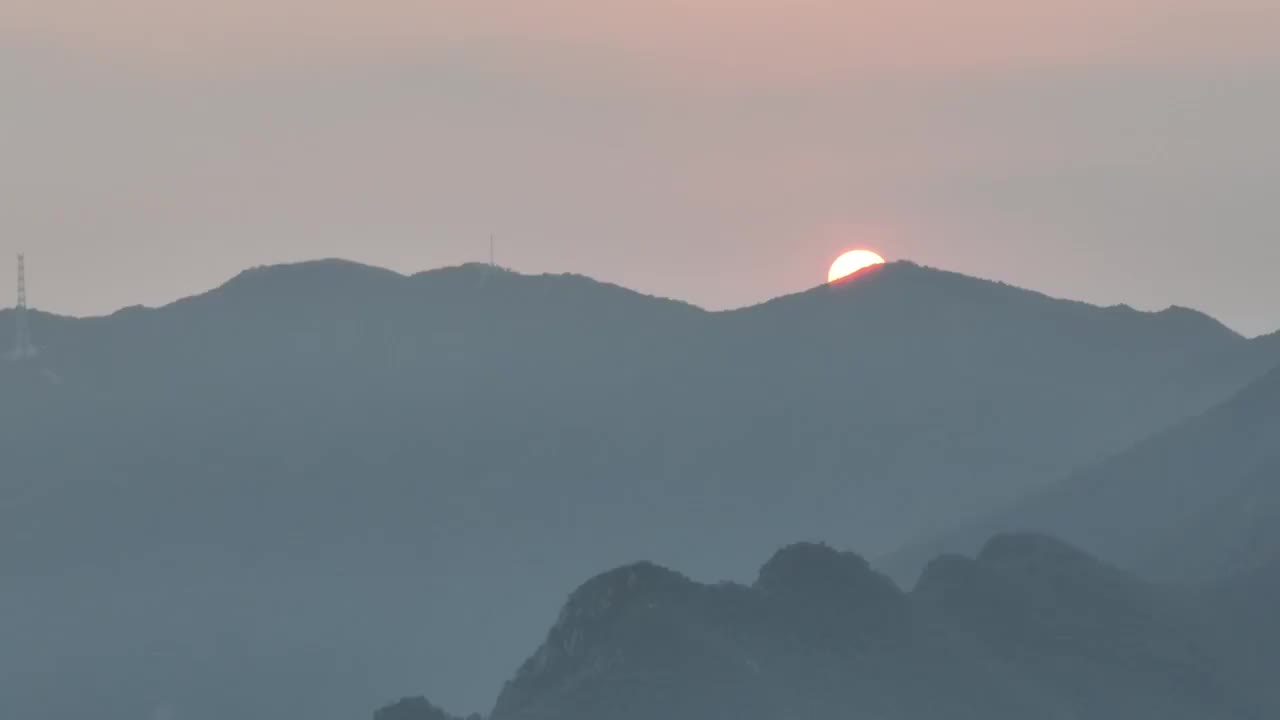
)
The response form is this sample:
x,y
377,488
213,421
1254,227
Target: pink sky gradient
x,y
719,152
794,37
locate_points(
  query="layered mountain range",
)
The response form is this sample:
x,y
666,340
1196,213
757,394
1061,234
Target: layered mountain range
x,y
327,484
1198,501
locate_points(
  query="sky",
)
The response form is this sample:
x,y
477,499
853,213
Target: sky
x,y
721,152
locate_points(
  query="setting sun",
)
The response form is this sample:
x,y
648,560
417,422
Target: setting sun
x,y
851,262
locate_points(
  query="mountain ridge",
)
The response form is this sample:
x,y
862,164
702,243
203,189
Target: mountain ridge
x,y
1176,483
344,270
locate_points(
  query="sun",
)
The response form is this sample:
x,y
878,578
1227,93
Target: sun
x,y
851,262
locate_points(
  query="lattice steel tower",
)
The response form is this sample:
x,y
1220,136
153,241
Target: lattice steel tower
x,y
22,347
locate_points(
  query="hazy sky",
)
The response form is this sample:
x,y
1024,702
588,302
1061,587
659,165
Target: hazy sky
x,y
720,152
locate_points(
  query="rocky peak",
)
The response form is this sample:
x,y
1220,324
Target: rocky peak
x,y
833,598
815,568
579,640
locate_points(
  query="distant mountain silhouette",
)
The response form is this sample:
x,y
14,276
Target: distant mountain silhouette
x,y
415,708
1201,500
1030,628
316,455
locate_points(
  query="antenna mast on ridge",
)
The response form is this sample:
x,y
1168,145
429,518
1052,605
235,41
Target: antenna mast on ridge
x,y
22,347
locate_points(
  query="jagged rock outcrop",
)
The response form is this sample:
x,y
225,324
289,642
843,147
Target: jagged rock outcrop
x,y
1031,627
834,599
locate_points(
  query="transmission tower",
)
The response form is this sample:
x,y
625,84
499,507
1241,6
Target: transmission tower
x,y
22,347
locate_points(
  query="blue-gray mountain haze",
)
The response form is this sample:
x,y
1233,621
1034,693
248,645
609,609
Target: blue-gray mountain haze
x,y
323,486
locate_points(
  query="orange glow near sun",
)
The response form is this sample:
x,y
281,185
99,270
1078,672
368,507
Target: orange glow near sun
x,y
851,262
